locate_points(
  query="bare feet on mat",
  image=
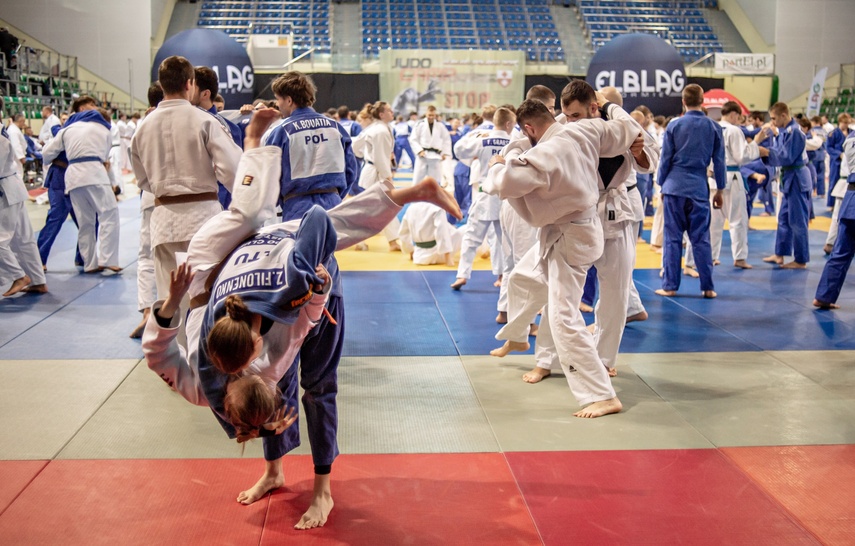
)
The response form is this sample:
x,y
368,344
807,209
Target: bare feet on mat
x,y
264,485
96,270
317,514
827,249
458,283
656,248
498,282
394,247
742,264
774,259
638,317
793,265
824,305
532,329
709,294
536,375
598,409
140,328
36,289
585,308
502,317
510,346
113,268
691,272
663,292
429,190
716,262
18,286
360,247
612,372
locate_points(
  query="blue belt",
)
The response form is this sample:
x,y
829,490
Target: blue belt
x,y
87,159
732,169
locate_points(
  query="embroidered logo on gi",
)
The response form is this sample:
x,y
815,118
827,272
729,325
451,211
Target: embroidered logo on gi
x,y
247,180
504,77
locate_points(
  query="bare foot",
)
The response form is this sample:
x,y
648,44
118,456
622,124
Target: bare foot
x,y
485,255
793,265
498,282
774,259
663,292
656,248
716,262
709,294
458,283
824,305
502,317
36,289
140,328
18,286
536,375
827,249
360,247
394,247
113,268
765,214
532,329
430,191
742,264
585,308
322,504
612,372
598,409
638,317
264,485
510,346
96,270
691,272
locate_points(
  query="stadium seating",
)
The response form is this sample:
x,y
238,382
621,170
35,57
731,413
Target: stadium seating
x,y
462,24
682,23
308,21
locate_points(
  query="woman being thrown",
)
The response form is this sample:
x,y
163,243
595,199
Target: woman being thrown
x,y
270,304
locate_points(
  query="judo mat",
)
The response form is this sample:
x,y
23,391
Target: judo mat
x,y
736,426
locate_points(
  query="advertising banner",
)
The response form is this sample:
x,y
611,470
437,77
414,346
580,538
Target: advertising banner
x,y
815,93
745,63
644,68
455,81
217,50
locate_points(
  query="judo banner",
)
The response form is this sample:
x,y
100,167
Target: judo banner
x,y
745,63
217,50
455,81
815,93
644,68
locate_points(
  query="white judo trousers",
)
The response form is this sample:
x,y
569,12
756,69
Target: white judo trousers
x,y
19,254
427,166
838,192
550,275
146,285
91,203
517,238
734,209
633,304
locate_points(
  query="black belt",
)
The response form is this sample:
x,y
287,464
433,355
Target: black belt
x,y
851,186
434,150
184,198
426,244
635,187
289,196
792,168
369,162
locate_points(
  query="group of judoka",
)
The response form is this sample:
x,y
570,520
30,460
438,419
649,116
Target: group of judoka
x,y
239,290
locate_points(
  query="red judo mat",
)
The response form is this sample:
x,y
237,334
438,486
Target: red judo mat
x,y
14,477
815,483
380,499
695,497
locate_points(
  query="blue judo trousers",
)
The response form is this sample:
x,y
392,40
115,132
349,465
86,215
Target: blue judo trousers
x,y
838,263
788,152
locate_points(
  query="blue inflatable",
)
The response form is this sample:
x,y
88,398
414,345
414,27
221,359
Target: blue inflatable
x,y
215,49
645,68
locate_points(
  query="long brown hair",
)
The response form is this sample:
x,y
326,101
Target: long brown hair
x,y
249,403
230,343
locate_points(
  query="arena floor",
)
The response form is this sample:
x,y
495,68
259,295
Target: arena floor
x,y
737,427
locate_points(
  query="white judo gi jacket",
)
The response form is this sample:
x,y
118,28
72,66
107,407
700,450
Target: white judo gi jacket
x,y
81,140
182,150
377,144
479,146
422,139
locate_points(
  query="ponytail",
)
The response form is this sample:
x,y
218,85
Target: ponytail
x,y
230,342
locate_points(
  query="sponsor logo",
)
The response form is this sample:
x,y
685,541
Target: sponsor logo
x,y
247,180
504,77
